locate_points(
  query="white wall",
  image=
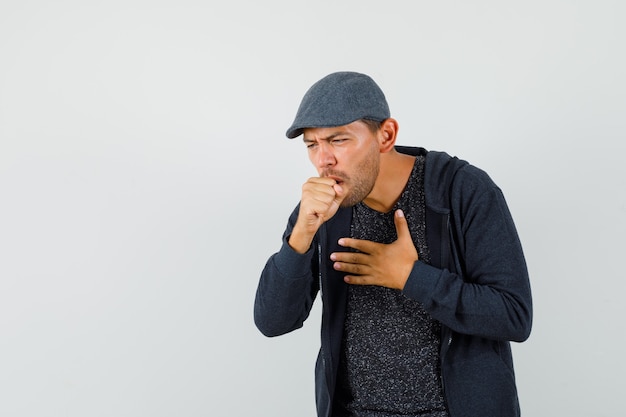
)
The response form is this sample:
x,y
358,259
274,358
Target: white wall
x,y
145,178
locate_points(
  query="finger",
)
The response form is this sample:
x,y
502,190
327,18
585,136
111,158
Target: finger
x,y
353,269
320,185
349,257
316,189
326,190
339,194
402,226
319,198
357,280
350,262
322,180
365,246
338,197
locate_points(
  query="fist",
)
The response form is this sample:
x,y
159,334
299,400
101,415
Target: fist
x,y
321,198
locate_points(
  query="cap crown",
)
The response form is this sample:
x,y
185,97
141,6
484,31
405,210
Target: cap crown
x,y
338,99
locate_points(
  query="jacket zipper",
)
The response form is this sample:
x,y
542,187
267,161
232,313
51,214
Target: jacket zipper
x,y
319,273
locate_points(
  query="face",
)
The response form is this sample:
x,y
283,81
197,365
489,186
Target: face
x,y
348,154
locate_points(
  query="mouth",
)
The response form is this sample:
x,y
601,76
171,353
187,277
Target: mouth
x,y
338,180
339,177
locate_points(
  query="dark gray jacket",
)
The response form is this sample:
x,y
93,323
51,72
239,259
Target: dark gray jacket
x,y
476,286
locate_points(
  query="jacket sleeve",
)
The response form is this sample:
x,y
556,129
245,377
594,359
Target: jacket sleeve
x,y
287,288
489,293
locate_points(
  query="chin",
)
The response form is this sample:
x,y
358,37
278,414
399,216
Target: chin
x,y
350,201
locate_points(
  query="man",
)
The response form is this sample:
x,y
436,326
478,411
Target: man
x,y
417,260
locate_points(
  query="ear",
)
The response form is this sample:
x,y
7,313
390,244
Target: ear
x,y
387,135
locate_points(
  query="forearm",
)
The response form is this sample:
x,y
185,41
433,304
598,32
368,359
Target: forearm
x,y
286,291
490,310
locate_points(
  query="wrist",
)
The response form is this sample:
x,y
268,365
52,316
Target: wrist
x,y
300,241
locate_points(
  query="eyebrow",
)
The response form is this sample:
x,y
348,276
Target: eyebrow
x,y
327,138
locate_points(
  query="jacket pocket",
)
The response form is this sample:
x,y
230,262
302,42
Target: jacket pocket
x,y
481,385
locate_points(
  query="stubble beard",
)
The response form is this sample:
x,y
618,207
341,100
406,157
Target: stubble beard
x,y
362,182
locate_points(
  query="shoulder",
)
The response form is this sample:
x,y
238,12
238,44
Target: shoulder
x,y
447,178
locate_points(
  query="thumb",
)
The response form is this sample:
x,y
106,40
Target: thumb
x,y
402,226
339,196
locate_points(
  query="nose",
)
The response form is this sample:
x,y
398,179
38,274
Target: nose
x,y
325,156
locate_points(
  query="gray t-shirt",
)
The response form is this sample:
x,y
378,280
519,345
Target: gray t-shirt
x,y
390,351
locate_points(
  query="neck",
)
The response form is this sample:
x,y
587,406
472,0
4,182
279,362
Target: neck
x,y
395,170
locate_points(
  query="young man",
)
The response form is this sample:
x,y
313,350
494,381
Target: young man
x,y
417,260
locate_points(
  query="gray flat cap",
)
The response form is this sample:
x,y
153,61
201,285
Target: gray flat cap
x,y
339,99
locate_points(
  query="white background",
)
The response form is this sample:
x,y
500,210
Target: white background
x,y
145,179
